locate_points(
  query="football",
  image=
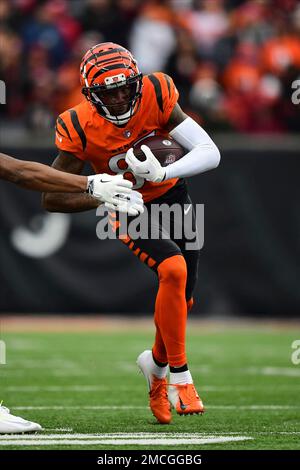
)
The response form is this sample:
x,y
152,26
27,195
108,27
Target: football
x,y
165,148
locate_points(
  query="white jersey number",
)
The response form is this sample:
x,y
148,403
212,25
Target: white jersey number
x,y
113,164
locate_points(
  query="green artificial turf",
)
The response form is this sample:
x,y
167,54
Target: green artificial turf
x,y
245,378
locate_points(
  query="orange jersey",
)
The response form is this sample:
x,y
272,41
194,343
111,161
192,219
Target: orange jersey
x,y
90,137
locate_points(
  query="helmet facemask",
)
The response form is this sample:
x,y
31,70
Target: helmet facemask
x,y
118,99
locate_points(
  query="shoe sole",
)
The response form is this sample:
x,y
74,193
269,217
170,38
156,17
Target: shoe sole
x,y
32,431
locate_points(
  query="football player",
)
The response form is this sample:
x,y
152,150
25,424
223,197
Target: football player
x,y
122,107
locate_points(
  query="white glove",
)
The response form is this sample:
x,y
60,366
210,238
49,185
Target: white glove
x,y
132,203
150,169
106,187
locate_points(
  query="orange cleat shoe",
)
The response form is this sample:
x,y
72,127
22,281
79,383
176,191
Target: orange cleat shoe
x,y
158,394
185,399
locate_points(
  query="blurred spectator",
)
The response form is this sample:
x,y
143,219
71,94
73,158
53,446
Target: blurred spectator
x,y
41,81
183,64
233,61
207,97
242,72
41,29
68,88
226,45
251,95
153,37
100,15
252,22
10,54
255,110
281,52
207,24
112,21
68,27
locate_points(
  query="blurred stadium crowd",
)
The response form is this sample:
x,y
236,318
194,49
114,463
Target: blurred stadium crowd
x,y
233,61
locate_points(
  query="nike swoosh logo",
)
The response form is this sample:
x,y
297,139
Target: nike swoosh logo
x,y
187,210
101,181
146,172
182,405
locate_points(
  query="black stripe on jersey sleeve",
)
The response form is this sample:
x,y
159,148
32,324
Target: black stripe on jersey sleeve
x,y
167,78
78,128
158,91
62,123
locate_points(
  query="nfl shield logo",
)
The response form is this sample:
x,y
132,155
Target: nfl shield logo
x,y
127,133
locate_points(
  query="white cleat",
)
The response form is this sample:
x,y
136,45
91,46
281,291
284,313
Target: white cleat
x,y
10,424
144,366
158,394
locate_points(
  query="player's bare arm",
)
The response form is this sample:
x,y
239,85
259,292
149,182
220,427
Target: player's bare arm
x,y
176,118
68,202
114,191
39,177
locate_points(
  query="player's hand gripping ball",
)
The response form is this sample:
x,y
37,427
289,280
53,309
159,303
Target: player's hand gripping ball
x,y
148,158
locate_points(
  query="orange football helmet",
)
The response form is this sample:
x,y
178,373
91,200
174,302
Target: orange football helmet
x,y
111,81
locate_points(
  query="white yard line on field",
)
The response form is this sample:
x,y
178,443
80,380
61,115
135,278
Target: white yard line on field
x,y
59,388
59,429
75,407
104,388
168,434
280,371
115,440
43,363
53,372
136,435
133,407
254,407
113,435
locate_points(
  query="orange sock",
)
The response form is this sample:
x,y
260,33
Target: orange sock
x,y
171,312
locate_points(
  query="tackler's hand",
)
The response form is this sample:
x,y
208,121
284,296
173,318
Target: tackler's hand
x,y
106,188
132,203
